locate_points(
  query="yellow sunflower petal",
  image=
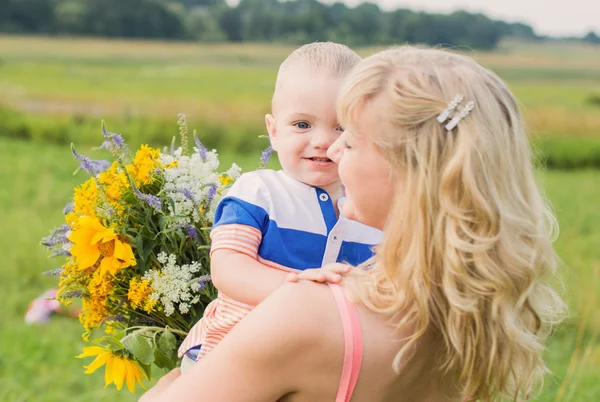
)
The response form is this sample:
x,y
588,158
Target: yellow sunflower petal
x,y
104,236
97,363
119,372
91,351
108,374
120,251
86,256
139,373
107,265
130,376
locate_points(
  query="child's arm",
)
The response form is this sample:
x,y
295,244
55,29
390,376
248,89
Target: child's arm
x,y
242,277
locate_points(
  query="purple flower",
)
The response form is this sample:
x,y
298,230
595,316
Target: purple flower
x,y
73,294
187,193
212,191
266,155
200,148
68,208
53,272
91,166
117,318
149,199
57,237
188,229
145,321
115,139
191,232
60,252
203,281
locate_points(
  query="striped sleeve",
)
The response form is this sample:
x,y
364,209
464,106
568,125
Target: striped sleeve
x,y
241,238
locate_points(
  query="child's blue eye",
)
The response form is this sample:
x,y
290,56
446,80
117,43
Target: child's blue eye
x,y
302,125
340,129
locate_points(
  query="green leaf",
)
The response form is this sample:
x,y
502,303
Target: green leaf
x,y
148,247
139,244
114,343
111,341
164,360
147,369
171,203
140,347
167,341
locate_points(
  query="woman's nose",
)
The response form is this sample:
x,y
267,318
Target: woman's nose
x,y
335,150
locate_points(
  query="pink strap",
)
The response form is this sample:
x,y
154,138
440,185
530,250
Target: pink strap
x,y
353,344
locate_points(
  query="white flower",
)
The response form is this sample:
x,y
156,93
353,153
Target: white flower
x,y
188,183
173,285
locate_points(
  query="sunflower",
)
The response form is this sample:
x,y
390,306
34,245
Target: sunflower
x,y
91,240
118,369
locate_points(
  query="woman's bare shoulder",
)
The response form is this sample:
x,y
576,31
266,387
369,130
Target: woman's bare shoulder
x,y
304,311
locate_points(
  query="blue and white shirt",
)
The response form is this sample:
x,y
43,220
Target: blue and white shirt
x,y
288,225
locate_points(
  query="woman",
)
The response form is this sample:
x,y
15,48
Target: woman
x,y
454,303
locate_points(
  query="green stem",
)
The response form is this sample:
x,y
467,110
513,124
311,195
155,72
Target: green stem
x,y
142,329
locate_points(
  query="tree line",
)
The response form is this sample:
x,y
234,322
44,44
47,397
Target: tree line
x,y
292,21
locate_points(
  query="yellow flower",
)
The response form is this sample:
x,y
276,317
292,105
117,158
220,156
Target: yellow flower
x,y
139,294
92,240
71,219
114,182
118,369
93,313
225,180
145,162
85,199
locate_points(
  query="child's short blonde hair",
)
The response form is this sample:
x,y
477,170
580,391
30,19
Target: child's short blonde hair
x,y
329,57
319,57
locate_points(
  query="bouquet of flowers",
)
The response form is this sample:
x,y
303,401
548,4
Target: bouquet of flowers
x,y
136,251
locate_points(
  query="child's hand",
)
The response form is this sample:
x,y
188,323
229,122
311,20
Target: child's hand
x,y
331,273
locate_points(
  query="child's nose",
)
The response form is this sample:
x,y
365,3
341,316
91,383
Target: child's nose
x,y
322,139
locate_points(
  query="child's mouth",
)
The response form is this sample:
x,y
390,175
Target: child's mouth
x,y
321,160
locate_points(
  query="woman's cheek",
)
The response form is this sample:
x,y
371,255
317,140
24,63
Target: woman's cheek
x,y
348,210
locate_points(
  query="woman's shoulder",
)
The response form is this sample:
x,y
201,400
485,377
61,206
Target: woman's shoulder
x,y
305,310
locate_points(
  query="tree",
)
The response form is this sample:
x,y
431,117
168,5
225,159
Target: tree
x,y
591,37
230,22
35,16
297,21
70,16
201,25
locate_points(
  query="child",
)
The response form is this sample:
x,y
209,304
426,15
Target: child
x,y
272,223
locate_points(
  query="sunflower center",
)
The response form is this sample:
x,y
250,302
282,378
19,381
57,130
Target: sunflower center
x,y
107,249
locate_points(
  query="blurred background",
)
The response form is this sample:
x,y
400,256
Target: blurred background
x,y
66,65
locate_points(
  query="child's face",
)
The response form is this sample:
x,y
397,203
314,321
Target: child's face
x,y
303,127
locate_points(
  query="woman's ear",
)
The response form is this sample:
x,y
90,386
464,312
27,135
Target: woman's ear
x,y
270,122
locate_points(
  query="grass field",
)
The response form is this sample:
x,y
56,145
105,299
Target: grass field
x,y
58,89
53,92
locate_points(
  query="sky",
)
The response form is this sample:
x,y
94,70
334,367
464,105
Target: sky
x,y
546,17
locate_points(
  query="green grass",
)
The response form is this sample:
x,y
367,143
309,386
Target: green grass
x,y
38,364
231,85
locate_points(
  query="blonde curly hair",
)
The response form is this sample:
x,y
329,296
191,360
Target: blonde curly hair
x,y
467,252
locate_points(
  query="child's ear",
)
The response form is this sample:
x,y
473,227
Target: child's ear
x,y
272,130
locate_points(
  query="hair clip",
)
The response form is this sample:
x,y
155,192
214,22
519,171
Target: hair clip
x,y
463,113
451,107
